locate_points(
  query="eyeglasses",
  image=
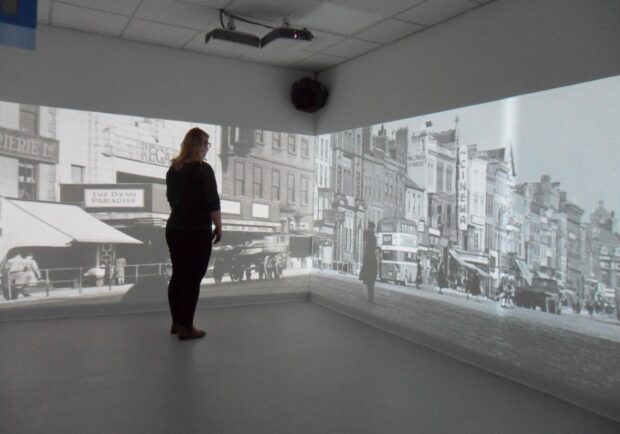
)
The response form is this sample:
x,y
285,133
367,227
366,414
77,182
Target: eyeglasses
x,y
208,144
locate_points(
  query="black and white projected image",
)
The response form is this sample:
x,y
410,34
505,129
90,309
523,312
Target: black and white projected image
x,y
83,205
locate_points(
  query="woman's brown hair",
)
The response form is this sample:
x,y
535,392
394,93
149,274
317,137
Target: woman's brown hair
x,y
190,147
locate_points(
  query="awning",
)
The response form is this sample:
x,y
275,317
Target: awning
x,y
465,264
525,272
48,224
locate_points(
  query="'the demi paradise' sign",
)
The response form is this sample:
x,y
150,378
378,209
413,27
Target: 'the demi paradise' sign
x,y
113,198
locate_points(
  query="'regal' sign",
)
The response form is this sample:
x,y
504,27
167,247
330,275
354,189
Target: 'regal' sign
x,y
156,154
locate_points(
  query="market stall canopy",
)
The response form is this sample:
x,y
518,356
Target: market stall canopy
x,y
525,272
31,223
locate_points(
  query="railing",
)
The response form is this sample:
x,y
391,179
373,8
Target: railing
x,y
85,277
343,267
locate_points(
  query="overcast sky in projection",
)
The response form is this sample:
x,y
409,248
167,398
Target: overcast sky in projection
x,y
571,133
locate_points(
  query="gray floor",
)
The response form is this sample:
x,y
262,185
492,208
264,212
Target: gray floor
x,y
275,368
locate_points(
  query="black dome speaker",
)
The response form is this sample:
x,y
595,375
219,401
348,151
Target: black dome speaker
x,y
308,95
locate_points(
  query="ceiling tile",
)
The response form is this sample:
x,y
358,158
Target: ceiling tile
x,y
176,13
90,20
44,9
158,33
214,4
385,8
122,7
275,10
389,31
323,40
351,48
334,18
434,11
276,57
318,62
198,44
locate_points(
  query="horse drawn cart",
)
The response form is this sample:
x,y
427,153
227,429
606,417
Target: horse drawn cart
x,y
267,259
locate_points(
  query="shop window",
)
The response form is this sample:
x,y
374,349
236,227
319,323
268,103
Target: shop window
x,y
258,182
304,190
291,188
292,144
27,184
275,185
276,142
77,174
29,119
239,178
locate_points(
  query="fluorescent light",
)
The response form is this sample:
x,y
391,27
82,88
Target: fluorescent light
x,y
286,38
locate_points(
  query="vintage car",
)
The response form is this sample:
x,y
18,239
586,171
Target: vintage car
x,y
542,292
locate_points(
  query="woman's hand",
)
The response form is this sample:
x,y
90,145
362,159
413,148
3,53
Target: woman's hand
x,y
217,234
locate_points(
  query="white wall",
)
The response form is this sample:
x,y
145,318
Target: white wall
x,y
508,47
78,70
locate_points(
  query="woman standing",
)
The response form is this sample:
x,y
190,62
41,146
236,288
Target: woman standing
x,y
195,204
473,285
368,273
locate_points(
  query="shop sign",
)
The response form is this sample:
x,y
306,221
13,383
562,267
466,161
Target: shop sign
x,y
421,226
435,232
113,198
462,188
156,154
20,145
477,220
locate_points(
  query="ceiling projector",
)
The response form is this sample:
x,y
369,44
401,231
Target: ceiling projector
x,y
283,37
224,38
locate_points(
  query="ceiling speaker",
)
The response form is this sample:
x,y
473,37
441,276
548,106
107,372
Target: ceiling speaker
x,y
308,95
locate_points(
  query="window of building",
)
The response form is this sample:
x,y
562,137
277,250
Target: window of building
x,y
29,119
240,178
77,174
260,137
292,144
449,216
439,177
27,184
275,185
304,190
449,180
258,182
290,186
489,205
358,184
339,180
305,147
276,141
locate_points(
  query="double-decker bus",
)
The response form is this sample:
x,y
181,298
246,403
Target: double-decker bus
x,y
397,239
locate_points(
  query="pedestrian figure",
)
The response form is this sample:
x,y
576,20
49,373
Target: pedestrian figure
x,y
368,272
17,276
418,276
119,270
473,285
32,274
442,279
195,204
589,306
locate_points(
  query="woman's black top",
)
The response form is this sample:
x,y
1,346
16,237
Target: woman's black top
x,y
192,194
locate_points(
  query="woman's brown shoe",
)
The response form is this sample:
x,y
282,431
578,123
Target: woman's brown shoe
x,y
191,333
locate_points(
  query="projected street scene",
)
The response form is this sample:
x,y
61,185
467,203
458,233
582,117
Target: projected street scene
x,y
510,203
83,205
